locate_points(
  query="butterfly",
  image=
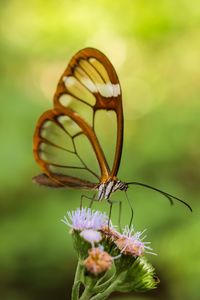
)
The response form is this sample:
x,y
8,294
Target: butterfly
x,y
88,85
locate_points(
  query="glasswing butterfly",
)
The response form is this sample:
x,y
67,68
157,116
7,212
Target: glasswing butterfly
x,y
88,85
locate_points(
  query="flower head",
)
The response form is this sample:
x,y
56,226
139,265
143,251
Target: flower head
x,y
98,261
131,243
91,236
85,218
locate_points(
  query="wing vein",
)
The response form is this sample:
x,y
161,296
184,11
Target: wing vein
x,y
82,161
97,70
64,166
46,141
71,94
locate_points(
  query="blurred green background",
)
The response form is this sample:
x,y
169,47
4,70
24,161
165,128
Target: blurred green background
x,y
155,48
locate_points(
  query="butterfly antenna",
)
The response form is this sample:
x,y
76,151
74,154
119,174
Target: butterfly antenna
x,y
167,195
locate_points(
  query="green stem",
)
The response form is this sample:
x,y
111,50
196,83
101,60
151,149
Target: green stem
x,y
106,293
77,281
101,279
86,294
88,290
104,285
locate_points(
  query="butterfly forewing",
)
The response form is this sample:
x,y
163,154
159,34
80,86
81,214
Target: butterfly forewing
x,y
66,143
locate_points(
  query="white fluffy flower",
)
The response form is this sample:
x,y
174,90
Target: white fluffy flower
x,y
91,236
85,218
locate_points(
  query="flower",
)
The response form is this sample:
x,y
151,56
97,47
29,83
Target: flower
x,y
98,261
130,243
108,260
91,236
85,218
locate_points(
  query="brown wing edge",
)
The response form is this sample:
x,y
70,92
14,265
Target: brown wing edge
x,y
63,181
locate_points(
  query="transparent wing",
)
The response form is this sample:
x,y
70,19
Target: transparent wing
x,y
66,142
58,139
90,87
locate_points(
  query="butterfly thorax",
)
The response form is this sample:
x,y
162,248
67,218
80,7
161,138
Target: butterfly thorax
x,y
107,188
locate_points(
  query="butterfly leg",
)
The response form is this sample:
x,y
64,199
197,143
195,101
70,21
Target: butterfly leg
x,y
131,208
110,212
119,215
92,199
119,202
